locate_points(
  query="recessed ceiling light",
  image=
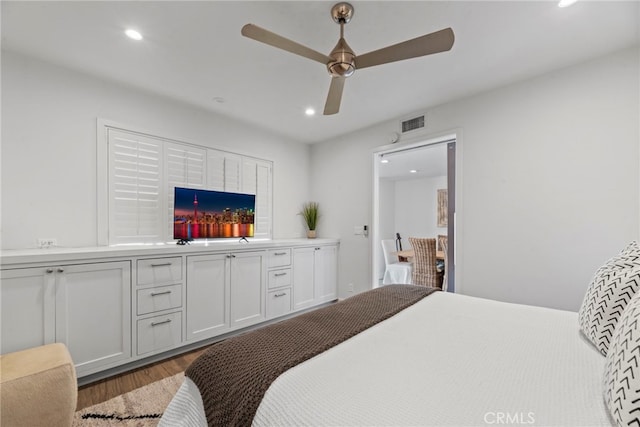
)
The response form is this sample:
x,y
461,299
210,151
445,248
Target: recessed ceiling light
x,y
384,161
566,3
133,34
310,111
413,171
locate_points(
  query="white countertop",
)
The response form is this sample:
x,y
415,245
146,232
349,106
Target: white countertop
x,y
11,257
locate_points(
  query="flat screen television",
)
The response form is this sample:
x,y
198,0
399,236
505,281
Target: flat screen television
x,y
206,214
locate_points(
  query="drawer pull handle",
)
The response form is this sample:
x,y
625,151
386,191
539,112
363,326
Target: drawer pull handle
x,y
60,270
280,295
162,322
164,264
280,274
280,253
153,294
49,270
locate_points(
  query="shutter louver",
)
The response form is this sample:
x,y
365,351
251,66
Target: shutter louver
x,y
135,188
263,201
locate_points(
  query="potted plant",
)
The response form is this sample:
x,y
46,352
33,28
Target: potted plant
x,y
310,214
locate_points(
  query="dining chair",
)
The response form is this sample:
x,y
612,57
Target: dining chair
x,y
395,272
440,238
424,262
444,244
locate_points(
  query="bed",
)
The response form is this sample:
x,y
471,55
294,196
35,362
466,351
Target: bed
x,y
445,360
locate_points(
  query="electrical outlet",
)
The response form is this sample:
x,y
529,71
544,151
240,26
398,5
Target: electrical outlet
x,y
47,243
350,287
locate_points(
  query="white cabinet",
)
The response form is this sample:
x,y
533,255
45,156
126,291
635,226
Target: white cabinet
x,y
303,265
247,286
28,308
117,306
159,308
224,292
314,275
86,306
325,273
207,296
93,314
279,281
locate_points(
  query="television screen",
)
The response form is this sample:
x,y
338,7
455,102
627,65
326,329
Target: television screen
x,y
206,214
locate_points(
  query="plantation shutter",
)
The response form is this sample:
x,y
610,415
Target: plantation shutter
x,y
186,168
215,170
232,173
135,188
142,172
256,179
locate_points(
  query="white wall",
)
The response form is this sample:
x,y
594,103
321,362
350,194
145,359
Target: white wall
x,y
548,187
417,207
49,150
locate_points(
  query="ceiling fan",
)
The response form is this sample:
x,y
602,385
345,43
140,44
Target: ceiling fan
x,y
342,61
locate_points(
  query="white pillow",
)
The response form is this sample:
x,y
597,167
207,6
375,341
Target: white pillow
x,y
622,368
629,257
605,301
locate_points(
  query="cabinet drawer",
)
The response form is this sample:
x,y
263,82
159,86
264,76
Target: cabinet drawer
x,y
279,258
279,278
279,302
160,332
157,271
159,298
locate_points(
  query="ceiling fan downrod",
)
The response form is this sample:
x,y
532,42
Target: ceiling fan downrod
x,y
343,64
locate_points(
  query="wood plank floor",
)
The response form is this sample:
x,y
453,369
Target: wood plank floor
x,y
108,388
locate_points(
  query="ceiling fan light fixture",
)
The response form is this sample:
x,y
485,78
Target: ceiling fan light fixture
x,y
343,64
133,34
566,3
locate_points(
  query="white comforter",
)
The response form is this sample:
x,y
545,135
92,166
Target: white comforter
x,y
449,360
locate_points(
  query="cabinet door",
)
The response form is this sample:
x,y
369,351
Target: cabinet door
x,y
27,308
93,314
303,266
247,288
325,274
207,291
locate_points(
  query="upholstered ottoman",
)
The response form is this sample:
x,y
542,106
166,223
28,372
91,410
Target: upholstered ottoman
x,y
38,387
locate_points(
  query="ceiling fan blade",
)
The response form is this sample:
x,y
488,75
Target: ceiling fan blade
x,y
334,97
260,34
440,41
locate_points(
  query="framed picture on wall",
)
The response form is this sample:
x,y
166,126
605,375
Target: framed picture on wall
x,y
442,208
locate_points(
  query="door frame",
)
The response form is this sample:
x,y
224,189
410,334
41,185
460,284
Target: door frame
x,y
454,215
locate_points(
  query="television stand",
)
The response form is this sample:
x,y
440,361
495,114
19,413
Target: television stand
x,y
183,242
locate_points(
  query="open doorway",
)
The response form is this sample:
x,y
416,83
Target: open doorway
x,y
414,196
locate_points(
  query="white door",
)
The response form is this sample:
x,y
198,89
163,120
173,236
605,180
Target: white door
x,y
93,313
27,308
207,290
247,288
325,273
303,277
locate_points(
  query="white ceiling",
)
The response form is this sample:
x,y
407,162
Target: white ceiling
x,y
193,51
428,161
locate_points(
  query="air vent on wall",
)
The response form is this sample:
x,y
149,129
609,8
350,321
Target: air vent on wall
x,y
413,124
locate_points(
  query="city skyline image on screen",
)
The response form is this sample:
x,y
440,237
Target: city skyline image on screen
x,y
207,214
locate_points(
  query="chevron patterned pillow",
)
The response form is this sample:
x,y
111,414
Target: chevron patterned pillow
x,y
622,368
603,304
629,257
